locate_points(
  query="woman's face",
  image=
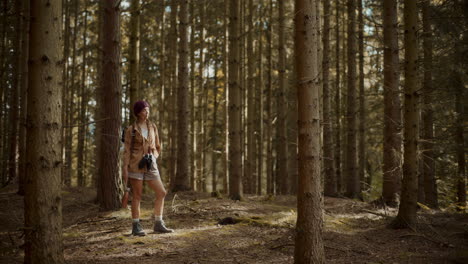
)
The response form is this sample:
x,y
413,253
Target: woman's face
x,y
144,114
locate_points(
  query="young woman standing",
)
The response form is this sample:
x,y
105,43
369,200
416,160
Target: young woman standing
x,y
142,147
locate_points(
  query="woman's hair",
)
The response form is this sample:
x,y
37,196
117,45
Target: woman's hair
x,y
139,106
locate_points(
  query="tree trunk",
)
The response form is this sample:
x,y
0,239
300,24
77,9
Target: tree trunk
x,y
235,143
110,181
362,106
83,108
330,179
459,137
260,118
407,212
337,101
308,242
269,113
430,186
226,99
14,98
98,93
251,157
43,202
70,102
352,182
182,182
200,106
24,94
214,180
283,180
392,116
192,96
172,108
134,55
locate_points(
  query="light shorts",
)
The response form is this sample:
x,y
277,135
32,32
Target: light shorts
x,y
150,175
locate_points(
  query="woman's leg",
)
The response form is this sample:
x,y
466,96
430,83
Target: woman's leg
x,y
160,193
137,188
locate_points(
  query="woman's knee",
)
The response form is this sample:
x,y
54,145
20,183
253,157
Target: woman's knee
x,y
161,194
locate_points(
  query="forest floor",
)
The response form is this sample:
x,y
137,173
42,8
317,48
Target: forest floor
x,y
355,232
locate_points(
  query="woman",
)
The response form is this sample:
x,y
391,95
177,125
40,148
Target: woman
x,y
142,147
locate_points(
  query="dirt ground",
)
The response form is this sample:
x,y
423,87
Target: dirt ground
x,y
355,232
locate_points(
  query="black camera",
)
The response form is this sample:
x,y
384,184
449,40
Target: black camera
x,y
146,161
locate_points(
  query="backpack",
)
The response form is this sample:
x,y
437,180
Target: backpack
x,y
133,136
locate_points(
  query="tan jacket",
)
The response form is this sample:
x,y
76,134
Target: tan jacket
x,y
141,146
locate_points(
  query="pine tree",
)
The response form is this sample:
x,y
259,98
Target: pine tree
x,y
43,201
308,241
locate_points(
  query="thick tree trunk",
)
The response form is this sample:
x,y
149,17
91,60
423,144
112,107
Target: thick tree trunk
x,y
43,202
330,178
283,180
134,55
110,181
352,181
24,97
235,143
182,182
430,186
392,116
83,108
407,212
308,242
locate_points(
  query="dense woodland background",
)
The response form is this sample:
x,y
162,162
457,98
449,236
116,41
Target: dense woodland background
x,y
220,77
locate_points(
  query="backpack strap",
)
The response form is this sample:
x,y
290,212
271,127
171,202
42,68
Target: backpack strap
x,y
132,141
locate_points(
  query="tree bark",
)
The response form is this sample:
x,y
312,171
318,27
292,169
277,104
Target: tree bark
x,y
283,180
226,97
182,182
24,96
352,182
14,97
337,101
260,118
83,108
43,202
392,116
172,108
330,179
269,118
430,186
250,161
407,211
134,60
459,137
110,181
362,107
308,242
235,143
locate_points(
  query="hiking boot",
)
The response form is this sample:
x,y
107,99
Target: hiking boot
x,y
137,230
160,227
